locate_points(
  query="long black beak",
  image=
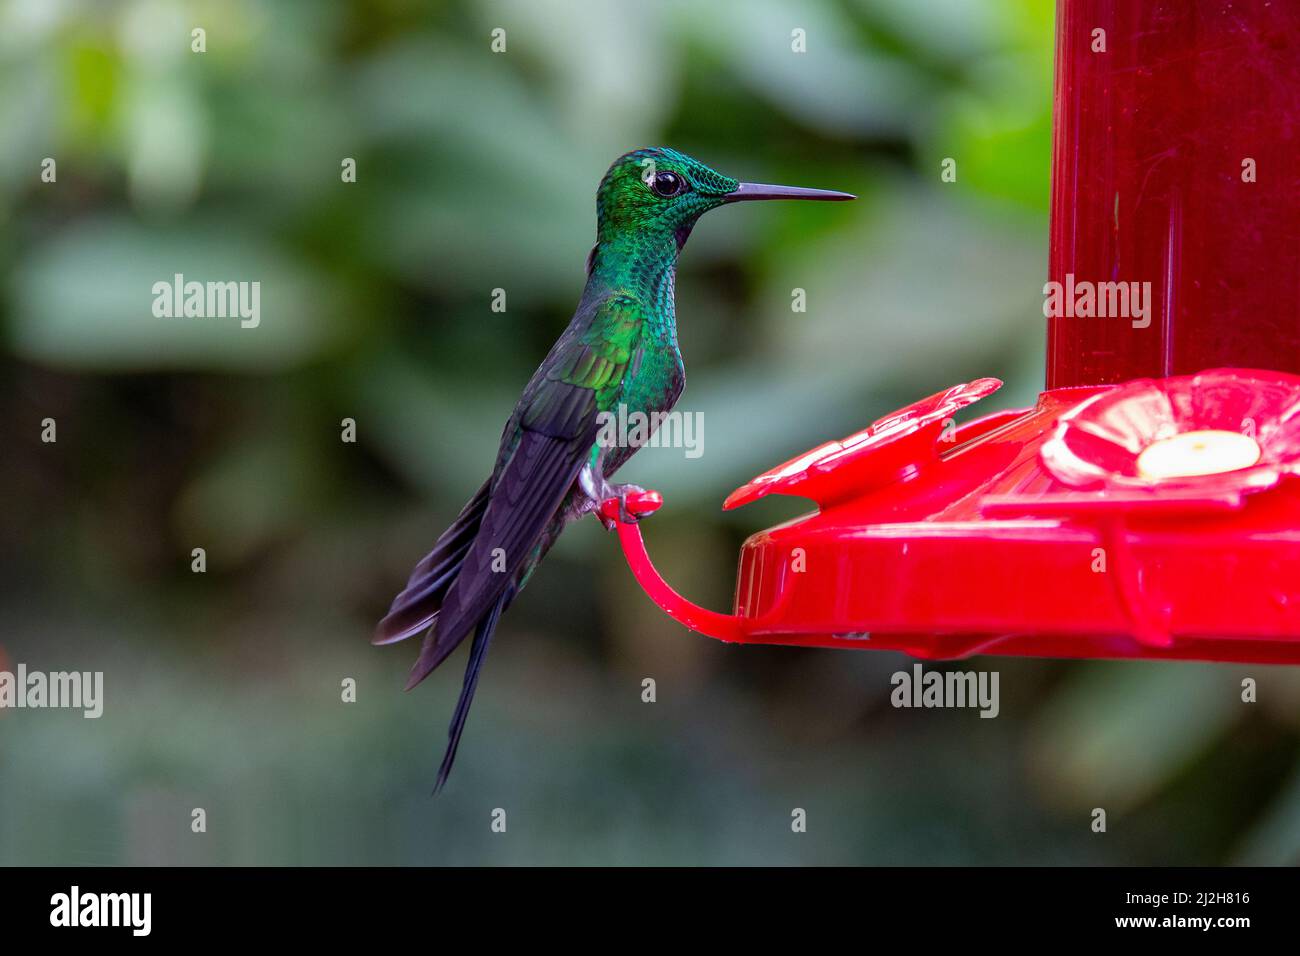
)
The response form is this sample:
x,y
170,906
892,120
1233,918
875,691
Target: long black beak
x,y
748,191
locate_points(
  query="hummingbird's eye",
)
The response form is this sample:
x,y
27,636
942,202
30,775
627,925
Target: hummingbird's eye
x,y
667,185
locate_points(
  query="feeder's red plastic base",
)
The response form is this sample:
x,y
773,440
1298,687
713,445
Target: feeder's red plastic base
x,y
1030,532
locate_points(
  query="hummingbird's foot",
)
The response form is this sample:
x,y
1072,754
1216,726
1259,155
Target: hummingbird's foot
x,y
598,490
625,514
610,493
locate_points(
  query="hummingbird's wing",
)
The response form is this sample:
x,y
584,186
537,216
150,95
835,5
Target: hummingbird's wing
x,y
417,606
547,441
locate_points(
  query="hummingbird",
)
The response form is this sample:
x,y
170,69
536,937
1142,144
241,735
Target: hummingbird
x,y
553,465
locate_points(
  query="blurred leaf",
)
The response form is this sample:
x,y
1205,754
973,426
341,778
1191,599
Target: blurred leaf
x,y
1275,841
1118,732
85,300
259,490
837,86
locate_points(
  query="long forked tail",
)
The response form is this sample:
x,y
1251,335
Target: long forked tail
x,y
477,654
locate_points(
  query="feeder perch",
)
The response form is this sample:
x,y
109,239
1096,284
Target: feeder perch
x,y
1147,506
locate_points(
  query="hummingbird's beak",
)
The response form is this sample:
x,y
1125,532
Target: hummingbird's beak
x,y
747,191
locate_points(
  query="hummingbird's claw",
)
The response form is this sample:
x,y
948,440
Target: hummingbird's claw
x,y
626,504
624,515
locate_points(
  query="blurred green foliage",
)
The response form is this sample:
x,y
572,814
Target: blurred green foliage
x,y
477,171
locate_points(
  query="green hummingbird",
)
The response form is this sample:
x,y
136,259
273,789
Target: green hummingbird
x,y
620,349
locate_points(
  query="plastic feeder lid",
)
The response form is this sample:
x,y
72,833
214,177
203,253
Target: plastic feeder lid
x,y
884,451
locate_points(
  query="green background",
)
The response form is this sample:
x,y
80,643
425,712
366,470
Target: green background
x,y
477,171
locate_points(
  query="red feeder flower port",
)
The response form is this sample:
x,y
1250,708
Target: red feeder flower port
x,y
1147,506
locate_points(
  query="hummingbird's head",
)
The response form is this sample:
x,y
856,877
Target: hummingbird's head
x,y
659,191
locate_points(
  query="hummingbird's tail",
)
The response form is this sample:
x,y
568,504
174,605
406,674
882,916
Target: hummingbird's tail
x,y
416,608
477,654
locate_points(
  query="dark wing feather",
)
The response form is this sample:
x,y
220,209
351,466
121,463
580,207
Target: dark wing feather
x,y
416,608
545,445
527,494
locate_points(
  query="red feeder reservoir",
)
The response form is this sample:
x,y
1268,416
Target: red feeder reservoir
x,y
1147,506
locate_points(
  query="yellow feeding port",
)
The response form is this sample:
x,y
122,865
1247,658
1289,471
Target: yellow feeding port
x,y
1207,452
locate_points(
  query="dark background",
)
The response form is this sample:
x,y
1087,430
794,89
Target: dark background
x,y
477,171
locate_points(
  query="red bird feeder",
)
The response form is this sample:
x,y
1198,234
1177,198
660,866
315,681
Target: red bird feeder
x,y
1147,506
